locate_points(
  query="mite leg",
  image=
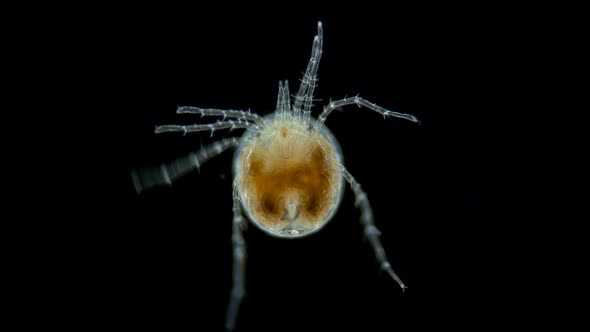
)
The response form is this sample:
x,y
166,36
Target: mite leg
x,y
371,232
226,114
362,102
239,265
212,127
304,96
232,119
165,174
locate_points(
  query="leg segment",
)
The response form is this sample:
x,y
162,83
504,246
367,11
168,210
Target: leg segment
x,y
167,173
362,102
371,232
231,114
239,265
308,83
221,124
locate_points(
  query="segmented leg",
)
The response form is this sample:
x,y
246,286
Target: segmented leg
x,y
167,173
239,265
362,102
221,124
308,83
226,114
371,232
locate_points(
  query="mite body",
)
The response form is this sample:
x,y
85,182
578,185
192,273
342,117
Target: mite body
x,y
288,176
288,170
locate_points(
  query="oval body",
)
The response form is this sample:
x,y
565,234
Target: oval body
x,y
288,176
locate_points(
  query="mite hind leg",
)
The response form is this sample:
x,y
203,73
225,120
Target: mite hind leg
x,y
239,265
166,173
370,231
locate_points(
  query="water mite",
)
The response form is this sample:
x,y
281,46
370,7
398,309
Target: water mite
x,y
288,171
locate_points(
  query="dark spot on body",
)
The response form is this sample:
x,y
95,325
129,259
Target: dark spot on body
x,y
268,204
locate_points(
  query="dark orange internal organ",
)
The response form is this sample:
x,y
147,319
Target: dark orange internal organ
x,y
289,187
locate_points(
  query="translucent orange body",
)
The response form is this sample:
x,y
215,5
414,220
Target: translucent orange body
x,y
289,177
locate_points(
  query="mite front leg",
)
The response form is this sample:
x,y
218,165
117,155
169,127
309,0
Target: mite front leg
x,y
226,114
365,103
239,265
304,96
371,232
212,127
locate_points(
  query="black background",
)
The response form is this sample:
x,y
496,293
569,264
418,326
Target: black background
x,y
482,206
